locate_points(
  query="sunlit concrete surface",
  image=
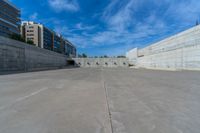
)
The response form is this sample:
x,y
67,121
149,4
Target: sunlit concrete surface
x,y
86,100
179,52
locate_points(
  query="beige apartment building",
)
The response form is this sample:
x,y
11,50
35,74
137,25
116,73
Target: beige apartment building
x,y
45,38
33,32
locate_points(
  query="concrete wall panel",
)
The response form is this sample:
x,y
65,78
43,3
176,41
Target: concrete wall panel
x,y
102,62
18,56
181,51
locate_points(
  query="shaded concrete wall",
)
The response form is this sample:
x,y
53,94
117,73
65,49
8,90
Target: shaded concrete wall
x,y
18,56
101,62
181,51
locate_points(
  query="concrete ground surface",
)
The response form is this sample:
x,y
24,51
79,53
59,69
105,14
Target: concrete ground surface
x,y
87,100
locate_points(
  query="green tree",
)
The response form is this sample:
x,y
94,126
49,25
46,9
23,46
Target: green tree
x,y
105,56
84,55
121,56
79,56
17,37
30,42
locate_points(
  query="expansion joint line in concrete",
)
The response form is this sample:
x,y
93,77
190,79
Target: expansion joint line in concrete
x,y
108,105
107,101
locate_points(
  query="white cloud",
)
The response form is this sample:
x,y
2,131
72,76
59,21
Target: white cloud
x,y
123,17
81,26
34,16
122,25
124,28
61,29
118,30
185,11
64,5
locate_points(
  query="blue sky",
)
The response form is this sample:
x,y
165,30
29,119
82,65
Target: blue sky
x,y
112,27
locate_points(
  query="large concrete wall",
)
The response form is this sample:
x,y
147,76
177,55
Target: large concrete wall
x,y
18,56
101,62
181,51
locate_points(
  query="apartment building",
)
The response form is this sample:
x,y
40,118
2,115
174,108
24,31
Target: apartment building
x,y
57,42
32,31
69,49
9,19
46,38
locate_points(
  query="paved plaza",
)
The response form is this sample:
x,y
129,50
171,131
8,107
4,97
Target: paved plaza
x,y
97,100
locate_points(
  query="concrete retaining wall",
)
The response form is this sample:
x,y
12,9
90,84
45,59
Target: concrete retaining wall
x,y
101,62
187,58
181,51
18,56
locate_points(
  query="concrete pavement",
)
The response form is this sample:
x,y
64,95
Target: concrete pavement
x,y
100,101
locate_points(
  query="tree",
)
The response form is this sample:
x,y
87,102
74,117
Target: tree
x,y
79,56
84,55
20,38
121,56
30,42
17,37
105,56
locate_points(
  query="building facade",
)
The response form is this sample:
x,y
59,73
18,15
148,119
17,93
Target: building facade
x,y
9,19
48,38
32,32
57,43
69,49
45,38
